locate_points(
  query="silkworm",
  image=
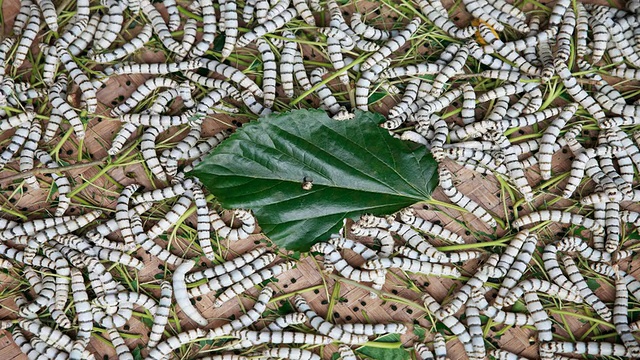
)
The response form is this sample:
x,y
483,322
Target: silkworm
x,y
446,183
285,320
139,299
127,48
251,281
229,278
290,353
392,44
160,28
83,312
304,11
587,294
563,217
181,296
549,138
115,25
22,17
325,327
456,327
280,337
146,242
226,232
518,267
577,92
64,187
164,348
230,17
233,74
267,27
29,33
148,151
532,285
382,236
269,72
411,265
597,348
78,77
373,329
161,317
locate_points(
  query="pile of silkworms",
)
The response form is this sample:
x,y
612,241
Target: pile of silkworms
x,y
576,45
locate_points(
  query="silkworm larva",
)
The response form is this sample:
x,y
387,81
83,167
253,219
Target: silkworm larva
x,y
281,337
122,215
446,183
27,36
146,242
229,278
88,91
233,74
325,327
127,48
226,266
563,217
577,92
584,348
287,58
323,91
333,257
452,323
549,138
587,294
61,181
148,151
83,312
164,348
518,268
269,72
224,231
267,27
161,315
421,267
160,28
290,353
16,142
251,281
537,285
285,320
230,17
181,295
56,97
431,10
139,299
113,29
367,31
53,337
392,44
551,265
373,329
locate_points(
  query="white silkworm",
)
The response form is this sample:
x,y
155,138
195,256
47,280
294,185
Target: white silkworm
x,y
251,281
181,295
164,348
160,27
229,278
392,44
290,353
446,183
230,16
27,35
285,320
323,91
88,91
269,72
267,27
64,187
549,138
587,294
161,317
325,327
226,232
563,217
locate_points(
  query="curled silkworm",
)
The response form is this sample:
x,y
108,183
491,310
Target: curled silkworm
x,y
325,327
252,280
181,295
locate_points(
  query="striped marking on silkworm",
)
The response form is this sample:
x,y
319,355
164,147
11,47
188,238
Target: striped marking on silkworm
x,y
542,286
161,317
415,266
29,33
17,140
560,216
233,234
392,45
597,348
251,281
228,12
61,181
269,74
164,348
229,278
78,77
160,27
146,242
267,27
573,272
517,269
113,27
549,138
283,321
456,197
456,327
122,215
325,327
324,93
280,337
